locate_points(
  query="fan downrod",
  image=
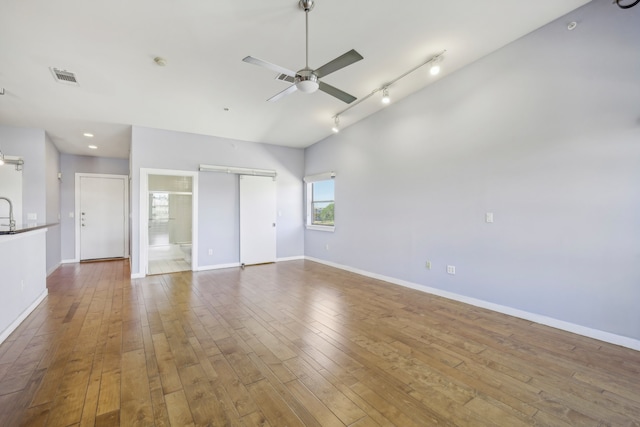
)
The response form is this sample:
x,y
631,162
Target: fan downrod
x,y
306,5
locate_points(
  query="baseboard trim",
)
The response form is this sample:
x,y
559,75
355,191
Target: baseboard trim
x,y
217,266
291,258
13,326
52,269
69,261
138,275
537,318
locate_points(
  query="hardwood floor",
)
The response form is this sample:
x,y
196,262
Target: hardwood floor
x,y
296,343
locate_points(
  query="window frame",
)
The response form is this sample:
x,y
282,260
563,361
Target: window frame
x,y
309,181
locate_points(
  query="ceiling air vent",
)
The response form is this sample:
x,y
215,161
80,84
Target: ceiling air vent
x,y
64,76
285,78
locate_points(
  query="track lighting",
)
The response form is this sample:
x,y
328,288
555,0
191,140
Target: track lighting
x,y
385,96
434,66
336,124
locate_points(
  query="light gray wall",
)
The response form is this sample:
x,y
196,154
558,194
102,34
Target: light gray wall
x,y
218,193
52,157
40,187
29,144
544,133
70,165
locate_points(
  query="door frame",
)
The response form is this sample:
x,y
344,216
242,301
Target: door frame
x,y
143,256
77,214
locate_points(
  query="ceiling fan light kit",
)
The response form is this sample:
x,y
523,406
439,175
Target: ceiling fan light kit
x,y
306,81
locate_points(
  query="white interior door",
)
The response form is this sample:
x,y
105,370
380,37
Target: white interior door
x,y
102,217
257,219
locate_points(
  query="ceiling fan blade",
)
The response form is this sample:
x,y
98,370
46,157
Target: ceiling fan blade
x,y
333,91
338,63
282,94
269,65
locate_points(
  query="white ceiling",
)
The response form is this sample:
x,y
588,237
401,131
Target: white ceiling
x,y
110,46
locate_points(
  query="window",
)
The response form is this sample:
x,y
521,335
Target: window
x,y
321,202
159,207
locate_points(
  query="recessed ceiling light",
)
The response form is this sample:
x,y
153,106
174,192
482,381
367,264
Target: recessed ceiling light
x,y
93,147
88,135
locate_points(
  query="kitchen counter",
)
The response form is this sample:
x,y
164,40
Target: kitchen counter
x,y
4,229
23,275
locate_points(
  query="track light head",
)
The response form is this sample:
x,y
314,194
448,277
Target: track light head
x,y
385,96
434,68
336,124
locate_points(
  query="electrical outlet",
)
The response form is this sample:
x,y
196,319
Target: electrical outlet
x,y
451,269
488,217
428,265
327,246
210,251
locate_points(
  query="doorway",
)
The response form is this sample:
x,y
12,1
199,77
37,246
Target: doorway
x,y
101,216
167,219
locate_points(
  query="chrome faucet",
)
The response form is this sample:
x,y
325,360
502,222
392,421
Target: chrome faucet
x,y
12,222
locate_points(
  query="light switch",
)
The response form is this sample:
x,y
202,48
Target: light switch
x,y
488,217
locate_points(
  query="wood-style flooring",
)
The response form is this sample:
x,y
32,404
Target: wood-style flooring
x,y
296,344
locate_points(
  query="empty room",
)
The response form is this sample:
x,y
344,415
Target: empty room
x,y
320,213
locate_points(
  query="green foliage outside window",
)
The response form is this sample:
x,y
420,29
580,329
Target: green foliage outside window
x,y
324,215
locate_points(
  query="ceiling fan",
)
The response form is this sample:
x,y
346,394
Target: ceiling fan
x,y
308,80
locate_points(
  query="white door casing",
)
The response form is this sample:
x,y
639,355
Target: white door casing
x,y
257,219
101,216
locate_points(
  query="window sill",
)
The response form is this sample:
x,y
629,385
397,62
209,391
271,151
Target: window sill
x,y
329,228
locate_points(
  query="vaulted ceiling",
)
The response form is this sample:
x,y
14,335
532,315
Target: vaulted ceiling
x,y
205,87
